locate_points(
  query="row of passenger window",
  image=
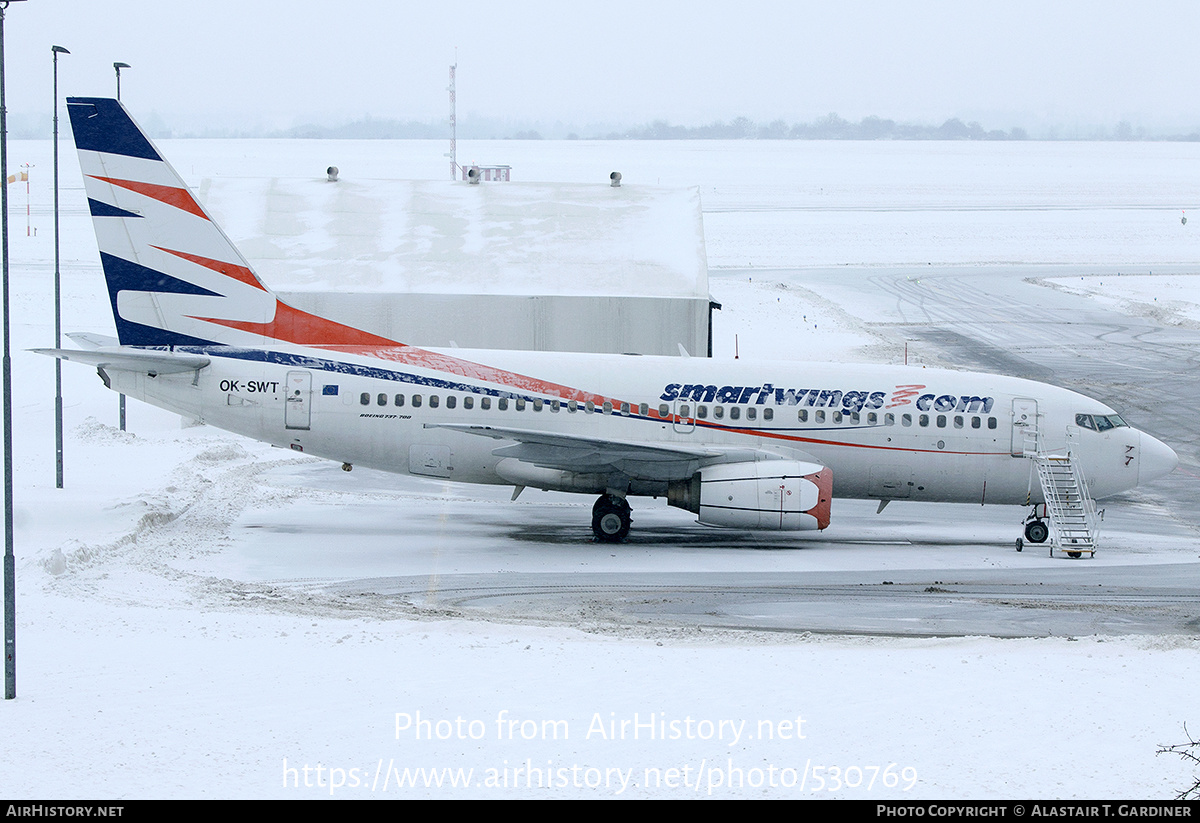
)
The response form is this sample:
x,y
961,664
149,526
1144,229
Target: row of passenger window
x,y
958,421
817,416
501,403
718,412
835,416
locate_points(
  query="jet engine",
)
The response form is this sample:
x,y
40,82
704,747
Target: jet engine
x,y
777,495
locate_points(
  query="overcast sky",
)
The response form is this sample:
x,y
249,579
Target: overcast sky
x,y
270,63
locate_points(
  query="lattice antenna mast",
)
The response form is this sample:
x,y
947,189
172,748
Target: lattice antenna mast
x,y
453,127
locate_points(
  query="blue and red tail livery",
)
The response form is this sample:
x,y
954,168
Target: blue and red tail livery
x,y
174,278
102,125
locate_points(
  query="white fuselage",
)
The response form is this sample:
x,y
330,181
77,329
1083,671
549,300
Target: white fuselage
x,y
887,432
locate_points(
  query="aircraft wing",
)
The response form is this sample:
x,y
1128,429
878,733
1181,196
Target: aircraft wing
x,y
588,455
152,363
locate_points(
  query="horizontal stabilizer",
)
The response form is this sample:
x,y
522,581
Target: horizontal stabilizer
x,y
93,341
151,362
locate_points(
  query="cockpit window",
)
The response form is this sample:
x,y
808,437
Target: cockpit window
x,y
1099,422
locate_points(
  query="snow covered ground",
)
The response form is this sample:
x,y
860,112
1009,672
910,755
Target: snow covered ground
x,y
1171,298
175,638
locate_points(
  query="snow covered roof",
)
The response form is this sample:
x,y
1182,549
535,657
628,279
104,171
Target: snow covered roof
x,y
450,237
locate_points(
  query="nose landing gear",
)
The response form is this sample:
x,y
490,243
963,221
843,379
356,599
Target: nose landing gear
x,y
1037,530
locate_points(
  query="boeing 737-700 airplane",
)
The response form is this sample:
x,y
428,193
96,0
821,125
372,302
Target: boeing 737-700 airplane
x,y
744,445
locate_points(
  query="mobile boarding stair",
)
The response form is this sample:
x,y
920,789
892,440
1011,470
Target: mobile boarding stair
x,y
1074,520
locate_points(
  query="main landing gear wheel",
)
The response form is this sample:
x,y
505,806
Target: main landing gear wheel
x,y
610,519
1036,531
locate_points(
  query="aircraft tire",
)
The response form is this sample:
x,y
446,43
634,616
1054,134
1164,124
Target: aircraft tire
x,y
611,519
1036,531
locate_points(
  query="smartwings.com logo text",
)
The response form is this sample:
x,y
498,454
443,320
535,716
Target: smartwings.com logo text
x,y
851,401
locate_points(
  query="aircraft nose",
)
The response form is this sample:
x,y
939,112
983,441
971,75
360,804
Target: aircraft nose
x,y
1157,459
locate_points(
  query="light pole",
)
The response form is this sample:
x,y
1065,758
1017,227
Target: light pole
x,y
120,398
10,564
58,416
118,67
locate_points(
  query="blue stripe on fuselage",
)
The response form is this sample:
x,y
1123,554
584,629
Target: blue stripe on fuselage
x,y
301,361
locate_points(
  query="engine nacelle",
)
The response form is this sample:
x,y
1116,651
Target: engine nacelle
x,y
776,495
527,474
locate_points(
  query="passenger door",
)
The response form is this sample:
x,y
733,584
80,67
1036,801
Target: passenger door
x,y
298,402
1024,425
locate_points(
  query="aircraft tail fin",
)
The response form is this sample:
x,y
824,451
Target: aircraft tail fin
x,y
174,278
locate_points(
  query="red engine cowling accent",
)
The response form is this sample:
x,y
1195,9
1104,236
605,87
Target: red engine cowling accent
x,y
823,480
777,495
